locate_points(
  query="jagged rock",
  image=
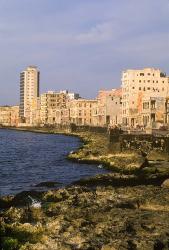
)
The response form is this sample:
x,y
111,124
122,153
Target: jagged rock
x,y
165,184
48,184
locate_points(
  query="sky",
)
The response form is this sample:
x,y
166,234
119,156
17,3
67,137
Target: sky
x,y
80,45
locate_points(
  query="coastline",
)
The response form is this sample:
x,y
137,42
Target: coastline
x,y
125,209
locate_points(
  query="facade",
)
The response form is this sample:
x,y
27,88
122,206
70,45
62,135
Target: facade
x,y
52,103
82,111
109,109
140,86
9,116
35,112
153,112
29,90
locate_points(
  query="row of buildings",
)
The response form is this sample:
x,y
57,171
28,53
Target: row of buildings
x,y
142,101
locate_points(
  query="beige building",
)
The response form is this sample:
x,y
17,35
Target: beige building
x,y
109,108
29,90
153,112
140,86
52,104
82,111
35,106
9,116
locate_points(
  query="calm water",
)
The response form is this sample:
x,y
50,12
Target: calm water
x,y
27,159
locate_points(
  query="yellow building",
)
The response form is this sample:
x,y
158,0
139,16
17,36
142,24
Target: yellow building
x,y
35,112
82,111
9,116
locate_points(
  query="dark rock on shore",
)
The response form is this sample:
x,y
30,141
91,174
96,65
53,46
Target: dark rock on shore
x,y
48,184
121,180
19,200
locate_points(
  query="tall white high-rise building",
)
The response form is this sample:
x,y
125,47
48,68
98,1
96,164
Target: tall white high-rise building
x,y
29,91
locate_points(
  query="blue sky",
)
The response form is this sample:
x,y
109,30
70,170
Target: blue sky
x,y
80,45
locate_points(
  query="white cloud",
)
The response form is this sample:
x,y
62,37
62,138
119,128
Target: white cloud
x,y
100,33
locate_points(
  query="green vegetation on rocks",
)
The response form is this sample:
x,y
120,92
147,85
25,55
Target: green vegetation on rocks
x,y
126,209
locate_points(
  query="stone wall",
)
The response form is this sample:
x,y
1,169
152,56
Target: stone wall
x,y
75,128
144,142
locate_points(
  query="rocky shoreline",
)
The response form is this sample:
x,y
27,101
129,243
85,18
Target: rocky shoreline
x,y
125,209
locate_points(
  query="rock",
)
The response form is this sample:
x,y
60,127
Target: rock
x,y
107,247
22,199
48,184
5,202
165,184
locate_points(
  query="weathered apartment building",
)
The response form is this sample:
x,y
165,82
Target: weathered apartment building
x,y
82,112
55,107
65,108
52,103
144,94
109,107
9,116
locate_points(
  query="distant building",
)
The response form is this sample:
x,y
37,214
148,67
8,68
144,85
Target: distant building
x,y
138,87
29,90
55,107
70,95
9,116
52,102
153,112
109,108
82,111
35,112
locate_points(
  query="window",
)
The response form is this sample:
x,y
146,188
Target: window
x,y
148,88
133,87
141,74
153,104
148,81
145,105
139,88
139,80
148,74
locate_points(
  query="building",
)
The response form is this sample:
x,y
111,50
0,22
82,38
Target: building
x,y
29,90
109,108
52,103
9,116
82,111
153,112
35,112
140,86
70,95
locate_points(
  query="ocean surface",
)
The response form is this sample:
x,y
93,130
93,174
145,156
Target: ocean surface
x,y
27,159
